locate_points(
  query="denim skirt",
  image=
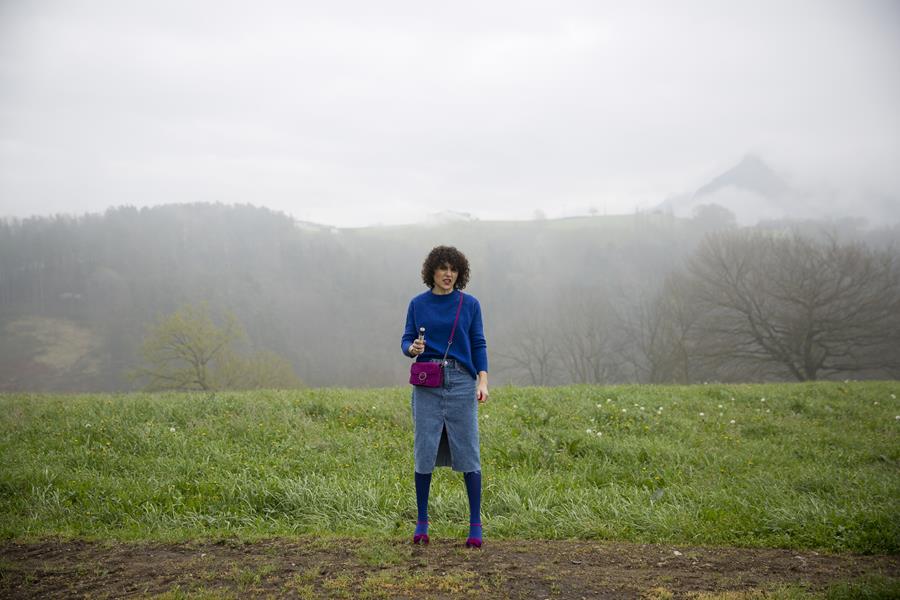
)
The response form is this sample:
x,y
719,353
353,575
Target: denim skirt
x,y
445,420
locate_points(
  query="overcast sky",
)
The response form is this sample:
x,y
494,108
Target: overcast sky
x,y
356,113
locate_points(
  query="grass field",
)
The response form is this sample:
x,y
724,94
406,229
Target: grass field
x,y
811,466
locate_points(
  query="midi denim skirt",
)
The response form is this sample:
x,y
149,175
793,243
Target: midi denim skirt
x,y
445,420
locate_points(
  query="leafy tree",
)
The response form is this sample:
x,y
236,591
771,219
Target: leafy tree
x,y
186,350
262,370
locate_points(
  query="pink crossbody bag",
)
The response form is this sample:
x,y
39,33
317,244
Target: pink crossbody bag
x,y
431,374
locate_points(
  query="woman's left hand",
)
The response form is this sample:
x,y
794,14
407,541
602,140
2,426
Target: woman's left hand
x,y
481,392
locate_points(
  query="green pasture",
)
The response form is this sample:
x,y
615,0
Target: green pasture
x,y
787,465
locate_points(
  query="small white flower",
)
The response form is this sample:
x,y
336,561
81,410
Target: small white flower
x,y
732,421
593,420
721,414
624,410
720,406
767,410
702,415
897,417
659,408
515,406
589,431
599,405
87,424
599,433
893,397
876,403
642,408
762,399
609,399
172,429
732,398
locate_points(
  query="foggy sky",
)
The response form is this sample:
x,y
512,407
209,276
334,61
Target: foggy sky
x,y
356,113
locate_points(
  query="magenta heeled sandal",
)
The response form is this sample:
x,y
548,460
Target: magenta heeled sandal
x,y
471,541
420,538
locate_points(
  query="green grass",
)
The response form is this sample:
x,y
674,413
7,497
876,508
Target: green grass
x,y
811,466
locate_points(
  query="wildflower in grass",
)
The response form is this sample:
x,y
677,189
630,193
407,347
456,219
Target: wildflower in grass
x,y
893,397
599,433
876,403
172,429
767,410
589,430
702,415
624,410
762,399
720,406
609,399
897,417
732,421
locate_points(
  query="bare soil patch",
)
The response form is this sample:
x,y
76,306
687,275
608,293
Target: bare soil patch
x,y
352,568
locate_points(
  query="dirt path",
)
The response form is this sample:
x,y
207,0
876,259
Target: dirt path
x,y
341,568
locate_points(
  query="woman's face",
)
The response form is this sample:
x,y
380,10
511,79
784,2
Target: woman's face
x,y
445,278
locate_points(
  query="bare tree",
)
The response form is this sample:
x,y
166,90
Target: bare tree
x,y
662,335
642,321
534,353
809,308
586,332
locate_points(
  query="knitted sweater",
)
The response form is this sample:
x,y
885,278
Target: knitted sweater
x,y
436,313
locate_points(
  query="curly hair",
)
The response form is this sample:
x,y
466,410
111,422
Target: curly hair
x,y
441,255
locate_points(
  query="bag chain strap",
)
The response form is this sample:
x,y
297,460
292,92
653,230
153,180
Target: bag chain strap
x,y
453,331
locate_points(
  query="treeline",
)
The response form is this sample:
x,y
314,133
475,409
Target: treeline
x,y
592,300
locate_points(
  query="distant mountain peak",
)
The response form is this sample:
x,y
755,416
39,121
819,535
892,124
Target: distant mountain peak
x,y
751,174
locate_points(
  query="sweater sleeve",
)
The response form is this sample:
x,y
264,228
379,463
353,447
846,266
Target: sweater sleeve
x,y
476,338
409,332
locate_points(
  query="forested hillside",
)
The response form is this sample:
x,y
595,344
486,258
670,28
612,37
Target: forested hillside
x,y
563,300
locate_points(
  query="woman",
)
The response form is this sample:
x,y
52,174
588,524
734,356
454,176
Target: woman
x,y
446,418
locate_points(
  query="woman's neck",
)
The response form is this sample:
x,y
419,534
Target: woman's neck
x,y
437,291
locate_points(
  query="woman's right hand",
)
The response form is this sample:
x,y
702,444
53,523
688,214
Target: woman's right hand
x,y
417,348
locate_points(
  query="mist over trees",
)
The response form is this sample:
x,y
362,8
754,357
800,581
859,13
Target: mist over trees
x,y
644,297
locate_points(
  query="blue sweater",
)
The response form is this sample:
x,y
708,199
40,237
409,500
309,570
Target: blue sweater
x,y
436,313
